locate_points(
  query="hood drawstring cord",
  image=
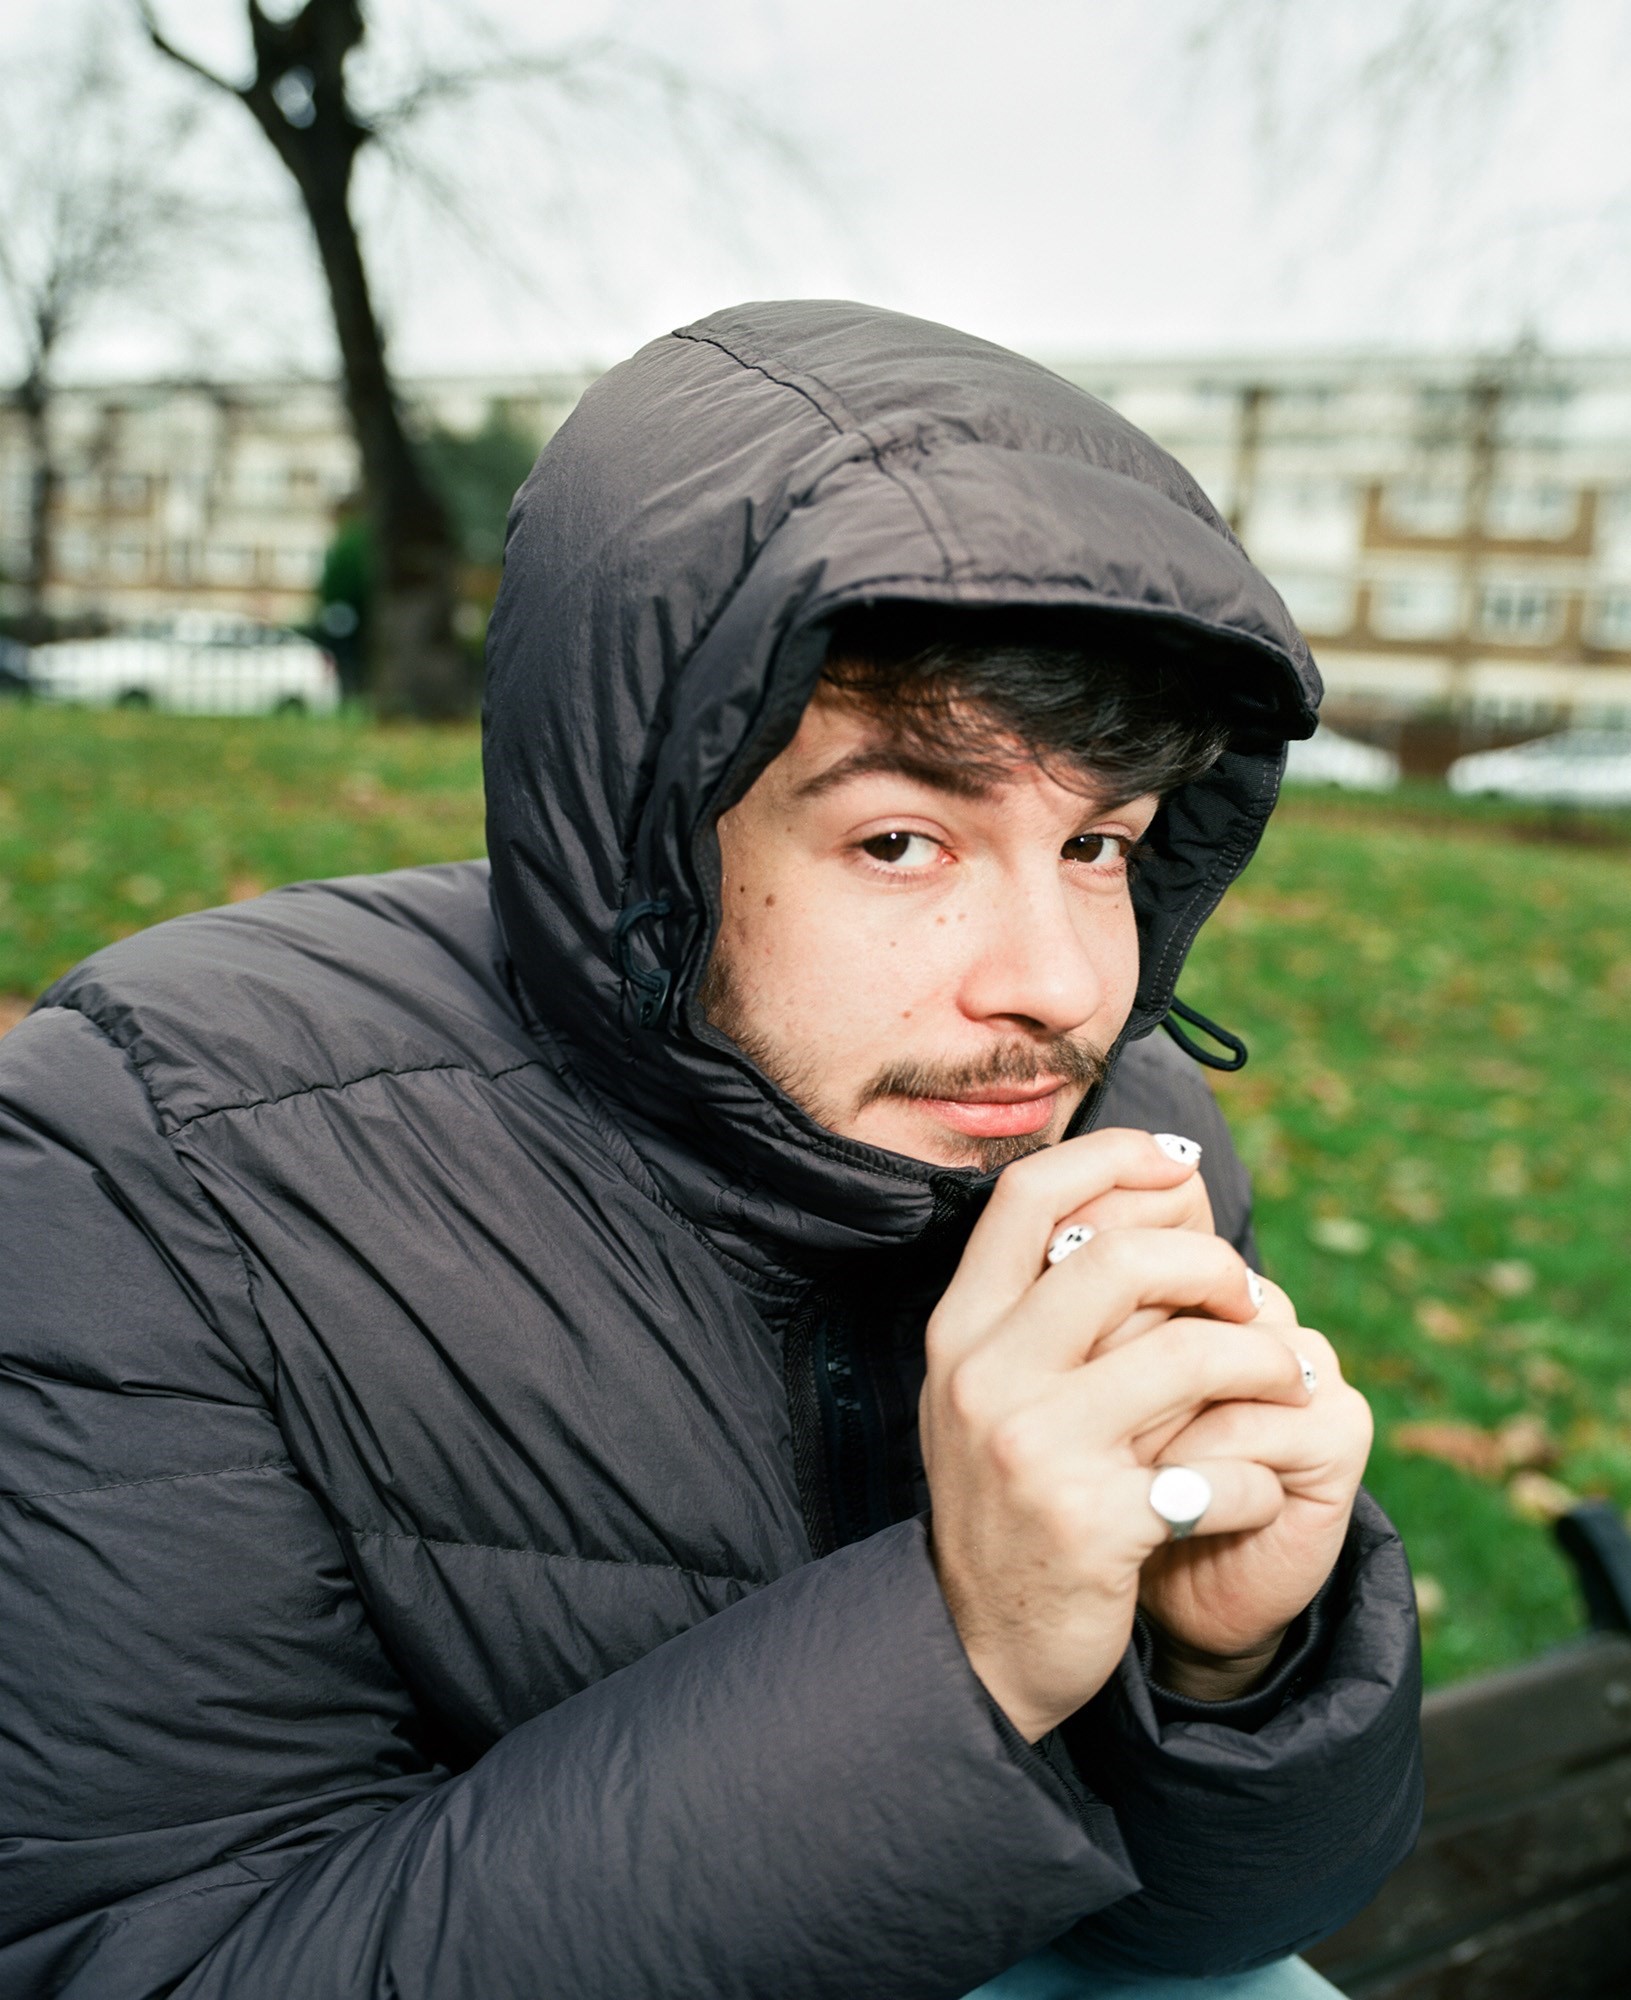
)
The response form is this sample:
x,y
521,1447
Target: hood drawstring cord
x,y
652,982
1236,1059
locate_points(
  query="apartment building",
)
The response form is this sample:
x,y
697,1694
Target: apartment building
x,y
1452,532
211,495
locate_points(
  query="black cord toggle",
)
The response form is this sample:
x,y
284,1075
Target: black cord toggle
x,y
1236,1059
652,982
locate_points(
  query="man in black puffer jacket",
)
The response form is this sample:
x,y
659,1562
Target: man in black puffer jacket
x,y
465,1530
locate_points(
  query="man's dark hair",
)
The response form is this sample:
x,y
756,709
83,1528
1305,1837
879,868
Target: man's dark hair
x,y
1095,699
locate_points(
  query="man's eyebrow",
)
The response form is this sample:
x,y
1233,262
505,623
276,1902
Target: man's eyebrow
x,y
963,781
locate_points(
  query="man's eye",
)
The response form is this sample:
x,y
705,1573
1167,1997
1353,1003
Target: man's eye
x,y
900,850
1104,852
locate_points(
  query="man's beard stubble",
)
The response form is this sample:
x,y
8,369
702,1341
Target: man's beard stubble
x,y
1020,1061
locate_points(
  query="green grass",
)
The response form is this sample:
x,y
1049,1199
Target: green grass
x,y
1437,1111
111,821
1438,1115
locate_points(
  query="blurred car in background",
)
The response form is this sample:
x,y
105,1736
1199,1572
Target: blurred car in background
x,y
1326,758
14,668
197,663
1576,767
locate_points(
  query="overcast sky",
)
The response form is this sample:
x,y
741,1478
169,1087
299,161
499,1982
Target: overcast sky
x,y
1066,176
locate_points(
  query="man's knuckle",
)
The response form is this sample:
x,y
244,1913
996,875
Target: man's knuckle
x,y
968,1391
1068,1516
1018,1445
941,1339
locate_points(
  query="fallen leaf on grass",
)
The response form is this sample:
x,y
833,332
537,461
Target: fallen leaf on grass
x,y
1510,1277
1430,1598
1536,1496
1526,1442
1441,1322
1521,1445
1546,1376
142,890
1464,1446
1340,1234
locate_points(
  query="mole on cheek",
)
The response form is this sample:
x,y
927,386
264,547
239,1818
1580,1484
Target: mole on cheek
x,y
770,902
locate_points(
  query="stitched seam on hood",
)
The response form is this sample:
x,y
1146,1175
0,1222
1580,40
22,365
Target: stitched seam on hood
x,y
655,731
876,451
758,368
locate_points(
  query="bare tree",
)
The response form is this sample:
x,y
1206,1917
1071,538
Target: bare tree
x,y
304,95
1409,58
89,212
298,96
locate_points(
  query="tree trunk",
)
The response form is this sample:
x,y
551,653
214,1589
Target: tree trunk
x,y
33,399
418,666
298,98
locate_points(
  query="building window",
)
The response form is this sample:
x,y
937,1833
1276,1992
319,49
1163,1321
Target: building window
x,y
1320,604
127,562
76,555
259,486
228,562
1609,621
1428,507
294,569
1416,607
1541,511
128,491
1523,614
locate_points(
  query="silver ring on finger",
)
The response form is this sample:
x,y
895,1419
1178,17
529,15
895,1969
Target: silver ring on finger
x,y
1181,1496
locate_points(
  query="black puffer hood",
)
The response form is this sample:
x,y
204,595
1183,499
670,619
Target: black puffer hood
x,y
673,564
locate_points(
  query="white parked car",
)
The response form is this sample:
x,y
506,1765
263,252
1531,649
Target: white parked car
x,y
1326,758
1577,767
197,663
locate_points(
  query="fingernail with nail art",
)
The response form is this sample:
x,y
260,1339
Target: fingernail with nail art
x,y
1311,1379
1185,1151
1068,1241
1254,1286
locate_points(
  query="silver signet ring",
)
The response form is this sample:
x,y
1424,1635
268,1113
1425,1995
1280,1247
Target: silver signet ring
x,y
1180,1496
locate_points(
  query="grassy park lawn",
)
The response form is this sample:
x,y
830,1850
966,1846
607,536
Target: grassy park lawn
x,y
1437,1110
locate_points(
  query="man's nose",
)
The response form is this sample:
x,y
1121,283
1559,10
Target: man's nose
x,y
1029,963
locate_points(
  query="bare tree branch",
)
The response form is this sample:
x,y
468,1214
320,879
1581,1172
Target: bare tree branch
x,y
162,42
91,206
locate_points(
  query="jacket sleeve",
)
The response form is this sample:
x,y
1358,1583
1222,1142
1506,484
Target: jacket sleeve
x,y
1259,1826
214,1784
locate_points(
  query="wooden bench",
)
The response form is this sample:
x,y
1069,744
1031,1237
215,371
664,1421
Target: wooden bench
x,y
1520,1888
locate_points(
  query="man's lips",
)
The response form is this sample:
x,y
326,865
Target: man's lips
x,y
997,1111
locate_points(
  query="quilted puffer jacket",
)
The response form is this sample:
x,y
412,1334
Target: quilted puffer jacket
x,y
462,1534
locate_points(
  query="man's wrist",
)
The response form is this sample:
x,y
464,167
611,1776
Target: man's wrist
x,y
1200,1676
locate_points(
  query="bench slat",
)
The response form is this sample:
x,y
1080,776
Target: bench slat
x,y
1578,1949
1525,1856
1569,1707
1470,1873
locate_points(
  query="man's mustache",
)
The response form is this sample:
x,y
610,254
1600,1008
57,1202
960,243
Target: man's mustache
x,y
1060,1059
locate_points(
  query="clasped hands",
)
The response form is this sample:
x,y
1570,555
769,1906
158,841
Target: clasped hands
x,y
1054,1392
